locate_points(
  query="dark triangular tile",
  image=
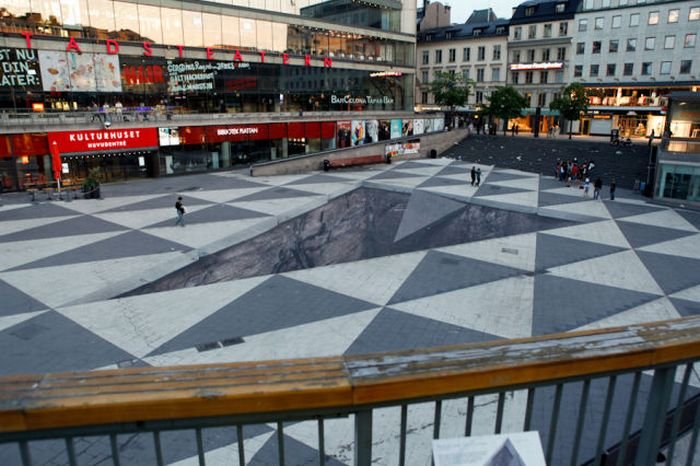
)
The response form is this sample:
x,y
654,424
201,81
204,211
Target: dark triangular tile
x,y
14,301
129,244
497,175
624,209
50,342
553,251
214,213
424,209
672,273
640,235
319,178
393,175
278,192
454,169
436,181
562,304
411,165
692,217
393,330
548,199
295,452
159,203
82,225
439,272
686,308
277,303
213,182
34,211
550,183
495,190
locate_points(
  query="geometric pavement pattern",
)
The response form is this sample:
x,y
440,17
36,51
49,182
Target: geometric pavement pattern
x,y
607,263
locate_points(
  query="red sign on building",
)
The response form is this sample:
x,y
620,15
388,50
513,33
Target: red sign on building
x,y
104,139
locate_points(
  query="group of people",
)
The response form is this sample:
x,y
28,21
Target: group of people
x,y
578,175
476,176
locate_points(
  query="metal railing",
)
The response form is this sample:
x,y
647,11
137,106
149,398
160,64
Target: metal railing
x,y
585,392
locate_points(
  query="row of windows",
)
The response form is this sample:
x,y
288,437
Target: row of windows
x,y
546,30
545,77
466,54
628,69
669,43
652,19
479,77
545,55
596,4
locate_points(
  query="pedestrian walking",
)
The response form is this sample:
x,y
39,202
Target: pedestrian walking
x,y
613,187
478,176
586,187
473,174
597,186
180,209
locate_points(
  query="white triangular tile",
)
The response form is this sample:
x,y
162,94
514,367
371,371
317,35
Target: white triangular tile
x,y
518,251
228,454
688,246
603,232
138,219
278,206
530,183
85,281
373,280
621,270
359,175
279,180
9,321
689,294
428,170
667,218
198,235
90,206
326,188
328,337
502,308
411,182
587,207
9,207
7,227
442,161
225,195
513,171
18,253
141,324
460,192
525,199
565,191
462,177
659,309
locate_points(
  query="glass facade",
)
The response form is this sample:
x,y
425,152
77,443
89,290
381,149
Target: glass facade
x,y
679,181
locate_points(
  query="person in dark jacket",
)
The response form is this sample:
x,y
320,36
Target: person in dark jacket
x,y
613,186
597,186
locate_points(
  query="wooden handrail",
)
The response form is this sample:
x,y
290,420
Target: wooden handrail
x,y
72,399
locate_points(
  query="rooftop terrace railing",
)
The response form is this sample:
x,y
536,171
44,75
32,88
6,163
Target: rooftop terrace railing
x,y
626,381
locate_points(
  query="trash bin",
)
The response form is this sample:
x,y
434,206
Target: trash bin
x,y
388,158
326,165
614,135
433,154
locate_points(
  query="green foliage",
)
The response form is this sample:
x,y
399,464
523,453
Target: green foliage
x,y
92,181
506,102
450,89
573,101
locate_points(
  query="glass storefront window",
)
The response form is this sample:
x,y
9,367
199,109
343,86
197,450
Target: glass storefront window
x,y
212,30
194,35
74,12
679,182
172,26
129,28
101,15
150,22
231,31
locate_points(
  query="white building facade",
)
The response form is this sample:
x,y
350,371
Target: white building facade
x,y
631,55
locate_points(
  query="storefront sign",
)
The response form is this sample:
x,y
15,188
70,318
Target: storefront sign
x,y
386,74
197,75
105,139
19,68
237,133
364,100
536,66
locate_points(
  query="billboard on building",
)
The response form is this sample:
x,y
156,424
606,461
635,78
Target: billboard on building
x,y
396,128
19,68
344,138
87,72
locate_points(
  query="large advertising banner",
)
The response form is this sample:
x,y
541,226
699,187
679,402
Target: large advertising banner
x,y
418,126
384,130
358,132
371,131
19,68
403,150
344,138
396,128
197,76
69,71
407,129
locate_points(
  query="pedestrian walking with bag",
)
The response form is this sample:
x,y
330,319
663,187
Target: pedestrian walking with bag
x,y
473,174
180,209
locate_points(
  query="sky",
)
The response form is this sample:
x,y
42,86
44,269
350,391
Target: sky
x,y
461,9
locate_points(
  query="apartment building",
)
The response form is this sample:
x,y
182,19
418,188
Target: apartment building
x,y
476,49
631,55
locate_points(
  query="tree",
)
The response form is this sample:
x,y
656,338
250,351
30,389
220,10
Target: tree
x,y
450,90
505,103
573,101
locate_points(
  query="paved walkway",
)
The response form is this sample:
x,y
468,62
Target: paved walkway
x,y
519,255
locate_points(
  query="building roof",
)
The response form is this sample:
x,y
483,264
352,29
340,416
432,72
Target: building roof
x,y
535,11
464,31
